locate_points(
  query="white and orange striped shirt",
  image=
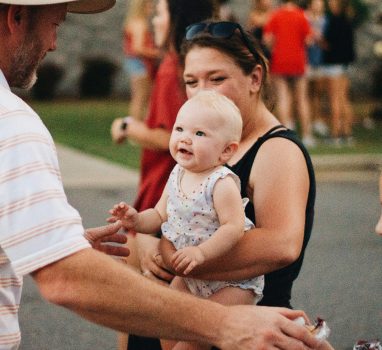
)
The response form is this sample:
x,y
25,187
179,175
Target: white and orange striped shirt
x,y
37,224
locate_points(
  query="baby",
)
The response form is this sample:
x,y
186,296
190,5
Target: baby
x,y
201,211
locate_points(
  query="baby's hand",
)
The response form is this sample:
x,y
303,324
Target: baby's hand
x,y
184,260
127,214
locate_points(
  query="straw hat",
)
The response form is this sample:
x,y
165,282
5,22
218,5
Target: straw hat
x,y
76,6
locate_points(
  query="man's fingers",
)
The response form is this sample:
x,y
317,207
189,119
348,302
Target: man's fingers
x,y
115,238
115,250
298,336
94,234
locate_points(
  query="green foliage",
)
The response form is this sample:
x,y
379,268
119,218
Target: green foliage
x,y
97,77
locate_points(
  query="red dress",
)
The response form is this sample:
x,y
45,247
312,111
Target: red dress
x,y
289,28
168,95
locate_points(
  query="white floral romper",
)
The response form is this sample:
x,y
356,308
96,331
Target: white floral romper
x,y
192,220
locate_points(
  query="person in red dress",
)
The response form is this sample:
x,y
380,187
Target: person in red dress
x,y
286,34
141,55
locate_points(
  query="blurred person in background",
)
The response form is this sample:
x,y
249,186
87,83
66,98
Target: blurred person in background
x,y
141,55
315,13
225,11
258,16
286,34
339,52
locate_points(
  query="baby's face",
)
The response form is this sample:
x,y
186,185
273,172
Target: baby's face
x,y
199,138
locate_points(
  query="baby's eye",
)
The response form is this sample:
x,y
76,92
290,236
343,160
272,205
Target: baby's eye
x,y
200,133
179,129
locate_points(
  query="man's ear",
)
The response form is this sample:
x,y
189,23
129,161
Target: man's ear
x,y
16,17
229,151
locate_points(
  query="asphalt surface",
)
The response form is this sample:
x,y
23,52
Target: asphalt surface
x,y
341,279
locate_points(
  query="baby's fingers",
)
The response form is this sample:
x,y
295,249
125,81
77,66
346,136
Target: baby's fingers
x,y
112,219
190,267
182,264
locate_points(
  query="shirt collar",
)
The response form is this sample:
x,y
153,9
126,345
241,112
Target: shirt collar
x,y
3,81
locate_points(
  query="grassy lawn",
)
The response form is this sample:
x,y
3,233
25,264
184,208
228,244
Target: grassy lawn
x,y
85,125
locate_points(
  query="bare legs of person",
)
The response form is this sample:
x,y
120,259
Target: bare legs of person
x,y
289,90
140,87
225,296
317,90
340,106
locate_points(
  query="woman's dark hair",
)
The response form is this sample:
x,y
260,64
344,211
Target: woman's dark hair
x,y
185,12
233,47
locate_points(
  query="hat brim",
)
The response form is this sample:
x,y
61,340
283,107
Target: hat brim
x,y
75,6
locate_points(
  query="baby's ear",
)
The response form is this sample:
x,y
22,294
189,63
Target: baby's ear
x,y
229,150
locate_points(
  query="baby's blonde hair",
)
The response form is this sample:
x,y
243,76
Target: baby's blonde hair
x,y
226,109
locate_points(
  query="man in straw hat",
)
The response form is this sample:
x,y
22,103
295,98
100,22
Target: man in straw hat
x,y
42,235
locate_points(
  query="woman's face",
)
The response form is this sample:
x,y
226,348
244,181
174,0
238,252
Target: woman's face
x,y
208,68
161,23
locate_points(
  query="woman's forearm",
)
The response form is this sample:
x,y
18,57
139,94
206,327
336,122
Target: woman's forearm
x,y
259,251
155,139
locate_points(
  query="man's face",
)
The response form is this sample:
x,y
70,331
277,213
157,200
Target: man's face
x,y
40,35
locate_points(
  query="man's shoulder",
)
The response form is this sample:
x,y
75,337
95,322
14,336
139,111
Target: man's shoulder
x,y
11,104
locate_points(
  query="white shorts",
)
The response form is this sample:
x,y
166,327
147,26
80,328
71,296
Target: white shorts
x,y
334,70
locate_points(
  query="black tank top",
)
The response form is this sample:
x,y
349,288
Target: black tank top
x,y
278,284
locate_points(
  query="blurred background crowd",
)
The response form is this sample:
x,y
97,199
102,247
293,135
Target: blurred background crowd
x,y
323,55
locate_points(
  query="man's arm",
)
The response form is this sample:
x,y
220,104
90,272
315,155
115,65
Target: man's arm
x,y
109,293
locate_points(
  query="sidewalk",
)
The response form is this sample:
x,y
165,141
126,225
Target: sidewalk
x,y
80,170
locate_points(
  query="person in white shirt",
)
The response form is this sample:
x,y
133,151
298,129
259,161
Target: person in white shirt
x,y
42,235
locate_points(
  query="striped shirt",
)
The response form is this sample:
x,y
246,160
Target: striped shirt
x,y
37,224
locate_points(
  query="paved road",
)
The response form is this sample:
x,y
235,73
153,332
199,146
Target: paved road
x,y
340,280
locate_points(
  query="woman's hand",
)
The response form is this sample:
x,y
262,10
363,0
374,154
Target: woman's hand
x,y
152,265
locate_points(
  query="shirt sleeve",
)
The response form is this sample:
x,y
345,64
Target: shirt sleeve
x,y
37,224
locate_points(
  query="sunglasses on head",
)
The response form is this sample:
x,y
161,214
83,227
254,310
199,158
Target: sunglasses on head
x,y
223,30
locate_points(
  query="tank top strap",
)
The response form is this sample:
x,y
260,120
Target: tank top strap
x,y
270,131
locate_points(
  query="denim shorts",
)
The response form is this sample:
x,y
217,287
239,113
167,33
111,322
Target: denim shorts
x,y
334,70
134,66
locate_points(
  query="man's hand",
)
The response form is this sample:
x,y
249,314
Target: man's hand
x,y
98,237
184,260
259,327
